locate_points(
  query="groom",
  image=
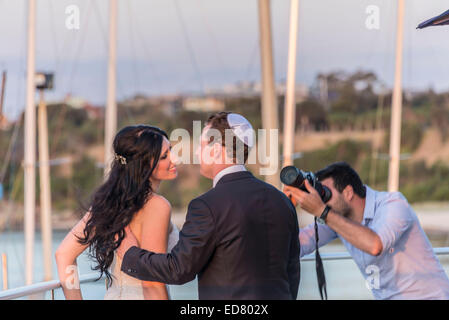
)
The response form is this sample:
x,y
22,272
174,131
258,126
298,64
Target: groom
x,y
240,237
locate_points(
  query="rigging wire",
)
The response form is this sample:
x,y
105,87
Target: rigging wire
x,y
69,82
8,155
100,25
80,47
212,37
57,68
381,100
17,181
66,41
193,59
409,48
106,42
251,62
133,47
52,31
147,52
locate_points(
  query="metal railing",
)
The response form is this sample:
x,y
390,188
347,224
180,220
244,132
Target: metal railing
x,y
52,285
42,287
345,255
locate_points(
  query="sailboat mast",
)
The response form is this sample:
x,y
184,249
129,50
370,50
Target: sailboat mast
x,y
269,101
396,112
2,94
111,105
30,145
289,108
45,192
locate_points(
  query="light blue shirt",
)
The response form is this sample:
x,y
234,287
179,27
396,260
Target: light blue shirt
x,y
407,268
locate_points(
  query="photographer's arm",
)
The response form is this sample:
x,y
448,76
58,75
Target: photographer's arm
x,y
307,238
359,236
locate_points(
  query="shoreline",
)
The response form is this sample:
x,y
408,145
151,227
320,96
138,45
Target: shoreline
x,y
12,219
434,218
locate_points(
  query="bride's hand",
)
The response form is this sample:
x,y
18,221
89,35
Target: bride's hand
x,y
129,241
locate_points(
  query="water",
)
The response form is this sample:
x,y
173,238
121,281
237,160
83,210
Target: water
x,y
344,280
12,243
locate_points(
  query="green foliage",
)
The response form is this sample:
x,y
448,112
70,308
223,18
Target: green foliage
x,y
352,104
411,137
426,184
347,150
250,107
418,183
87,176
440,118
314,112
350,93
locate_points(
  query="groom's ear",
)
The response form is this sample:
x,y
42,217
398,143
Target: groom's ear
x,y
218,150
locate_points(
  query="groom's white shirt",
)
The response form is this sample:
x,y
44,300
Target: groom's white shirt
x,y
228,170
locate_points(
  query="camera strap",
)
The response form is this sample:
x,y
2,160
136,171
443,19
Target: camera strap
x,y
319,267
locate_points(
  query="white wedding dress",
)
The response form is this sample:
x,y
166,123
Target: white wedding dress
x,y
125,287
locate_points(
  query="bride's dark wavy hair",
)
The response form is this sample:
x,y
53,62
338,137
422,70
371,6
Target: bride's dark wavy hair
x,y
123,194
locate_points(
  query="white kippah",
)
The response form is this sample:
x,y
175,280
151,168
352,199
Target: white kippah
x,y
241,128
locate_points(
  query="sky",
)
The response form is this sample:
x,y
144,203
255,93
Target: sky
x,y
182,46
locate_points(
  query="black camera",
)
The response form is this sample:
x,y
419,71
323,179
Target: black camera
x,y
292,176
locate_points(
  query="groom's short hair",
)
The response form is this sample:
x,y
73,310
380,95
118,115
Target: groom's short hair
x,y
219,121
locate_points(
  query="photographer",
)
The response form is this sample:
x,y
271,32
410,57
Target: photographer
x,y
379,229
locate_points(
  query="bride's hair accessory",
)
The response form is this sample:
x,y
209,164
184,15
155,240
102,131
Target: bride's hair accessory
x,y
120,158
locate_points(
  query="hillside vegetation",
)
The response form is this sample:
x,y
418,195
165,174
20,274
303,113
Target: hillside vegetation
x,y
351,125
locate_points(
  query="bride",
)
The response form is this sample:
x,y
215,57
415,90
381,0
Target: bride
x,y
128,199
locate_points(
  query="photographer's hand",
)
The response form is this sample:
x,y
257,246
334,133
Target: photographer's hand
x,y
310,202
358,235
288,192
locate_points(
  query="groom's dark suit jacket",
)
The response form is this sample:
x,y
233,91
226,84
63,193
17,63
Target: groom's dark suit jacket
x,y
240,238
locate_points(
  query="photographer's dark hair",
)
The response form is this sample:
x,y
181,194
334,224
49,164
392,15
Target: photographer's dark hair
x,y
123,194
219,121
343,176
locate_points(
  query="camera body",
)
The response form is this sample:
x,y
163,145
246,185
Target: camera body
x,y
294,177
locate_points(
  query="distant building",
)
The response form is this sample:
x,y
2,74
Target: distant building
x,y
254,89
168,104
75,102
301,91
94,112
208,104
241,89
171,106
81,103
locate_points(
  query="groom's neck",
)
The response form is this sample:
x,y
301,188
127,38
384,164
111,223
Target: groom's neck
x,y
219,168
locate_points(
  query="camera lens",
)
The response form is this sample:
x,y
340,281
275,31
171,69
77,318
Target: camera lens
x,y
291,176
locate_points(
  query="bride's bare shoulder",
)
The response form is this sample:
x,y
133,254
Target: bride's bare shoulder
x,y
156,210
157,203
